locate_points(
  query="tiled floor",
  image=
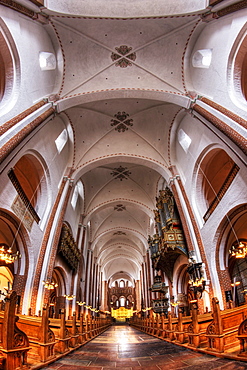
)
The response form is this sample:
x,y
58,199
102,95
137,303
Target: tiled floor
x,y
122,347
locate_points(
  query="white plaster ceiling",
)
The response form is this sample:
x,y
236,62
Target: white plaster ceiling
x,y
127,8
148,93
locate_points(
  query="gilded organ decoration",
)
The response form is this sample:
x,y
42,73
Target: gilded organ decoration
x,y
168,242
161,304
68,248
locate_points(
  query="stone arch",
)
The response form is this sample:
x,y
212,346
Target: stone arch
x,y
213,174
164,96
108,203
56,295
9,69
14,234
180,283
230,230
122,157
33,177
237,64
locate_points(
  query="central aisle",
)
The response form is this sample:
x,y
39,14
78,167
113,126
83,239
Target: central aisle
x,y
122,347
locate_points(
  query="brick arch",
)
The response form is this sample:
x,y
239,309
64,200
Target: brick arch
x,y
237,64
15,235
213,174
9,68
224,232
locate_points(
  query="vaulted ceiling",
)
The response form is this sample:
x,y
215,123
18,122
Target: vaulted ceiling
x,y
122,82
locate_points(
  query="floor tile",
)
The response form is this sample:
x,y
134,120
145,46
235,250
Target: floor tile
x,y
124,348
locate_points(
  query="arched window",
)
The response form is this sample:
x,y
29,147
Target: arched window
x,y
78,191
61,140
184,140
122,301
202,58
47,61
121,284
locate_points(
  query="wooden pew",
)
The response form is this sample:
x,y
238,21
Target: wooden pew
x,y
41,337
170,327
242,337
163,326
181,329
14,344
81,332
197,329
222,333
73,331
61,332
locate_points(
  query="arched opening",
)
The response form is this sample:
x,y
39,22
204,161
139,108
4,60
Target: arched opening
x,y
2,77
56,295
9,66
183,292
121,284
216,173
122,301
28,178
237,66
237,262
6,282
244,69
13,238
29,174
238,274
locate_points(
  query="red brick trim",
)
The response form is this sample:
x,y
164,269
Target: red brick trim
x,y
7,148
43,247
18,7
127,19
214,2
13,121
225,111
231,176
57,235
236,138
231,9
195,227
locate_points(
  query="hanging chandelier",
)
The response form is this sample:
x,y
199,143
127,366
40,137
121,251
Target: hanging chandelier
x,y
175,304
6,254
197,281
49,284
239,250
80,303
69,297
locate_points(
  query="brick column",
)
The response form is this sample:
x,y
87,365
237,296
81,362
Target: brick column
x,y
187,231
51,237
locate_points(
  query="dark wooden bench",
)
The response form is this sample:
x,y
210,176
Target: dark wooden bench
x,y
222,333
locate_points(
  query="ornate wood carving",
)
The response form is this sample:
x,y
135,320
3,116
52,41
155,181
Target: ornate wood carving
x,y
68,248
